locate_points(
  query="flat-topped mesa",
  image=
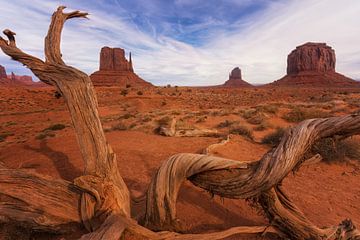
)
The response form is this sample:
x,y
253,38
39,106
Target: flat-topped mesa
x,y
311,57
116,70
2,72
235,79
313,65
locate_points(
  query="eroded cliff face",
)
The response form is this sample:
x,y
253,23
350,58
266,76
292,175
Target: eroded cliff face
x,y
2,72
113,59
14,80
314,57
313,65
116,70
235,79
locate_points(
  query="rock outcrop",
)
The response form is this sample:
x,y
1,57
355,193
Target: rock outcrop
x,y
235,79
2,72
116,70
22,80
14,80
314,57
313,64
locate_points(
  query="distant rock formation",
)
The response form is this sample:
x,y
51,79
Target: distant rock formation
x,y
116,70
313,64
2,72
235,79
315,57
14,80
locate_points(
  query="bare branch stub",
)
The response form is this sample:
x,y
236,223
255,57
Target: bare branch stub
x,y
53,38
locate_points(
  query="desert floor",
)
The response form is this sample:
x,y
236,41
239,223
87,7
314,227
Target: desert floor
x,y
36,133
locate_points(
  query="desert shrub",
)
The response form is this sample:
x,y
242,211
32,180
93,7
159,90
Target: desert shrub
x,y
256,119
124,92
262,126
242,130
119,127
55,127
274,138
4,135
11,123
248,113
273,109
139,93
164,121
337,151
226,124
201,119
44,134
301,114
126,116
353,102
146,119
175,112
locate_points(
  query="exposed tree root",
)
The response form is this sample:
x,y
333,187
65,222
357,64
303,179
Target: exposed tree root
x,y
172,131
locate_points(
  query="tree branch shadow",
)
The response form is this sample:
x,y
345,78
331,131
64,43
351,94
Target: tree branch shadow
x,y
61,161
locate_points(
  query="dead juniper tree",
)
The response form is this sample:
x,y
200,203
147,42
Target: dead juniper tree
x,y
99,199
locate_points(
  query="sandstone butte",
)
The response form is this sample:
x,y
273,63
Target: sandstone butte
x,y
116,70
16,80
313,64
235,79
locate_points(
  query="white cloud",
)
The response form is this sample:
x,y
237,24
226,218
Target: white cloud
x,y
259,46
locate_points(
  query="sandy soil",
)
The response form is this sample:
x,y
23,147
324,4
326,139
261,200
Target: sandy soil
x,y
327,193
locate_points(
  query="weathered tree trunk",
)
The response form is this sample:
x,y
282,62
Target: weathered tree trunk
x,y
104,191
100,199
244,180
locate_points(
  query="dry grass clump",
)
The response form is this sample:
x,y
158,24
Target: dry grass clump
x,y
164,121
48,132
44,135
226,124
55,127
248,113
124,92
272,109
119,127
4,135
201,119
253,116
337,151
300,114
256,119
262,126
274,138
147,118
241,130
127,116
353,102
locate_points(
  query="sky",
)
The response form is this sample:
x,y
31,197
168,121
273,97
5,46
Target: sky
x,y
190,42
